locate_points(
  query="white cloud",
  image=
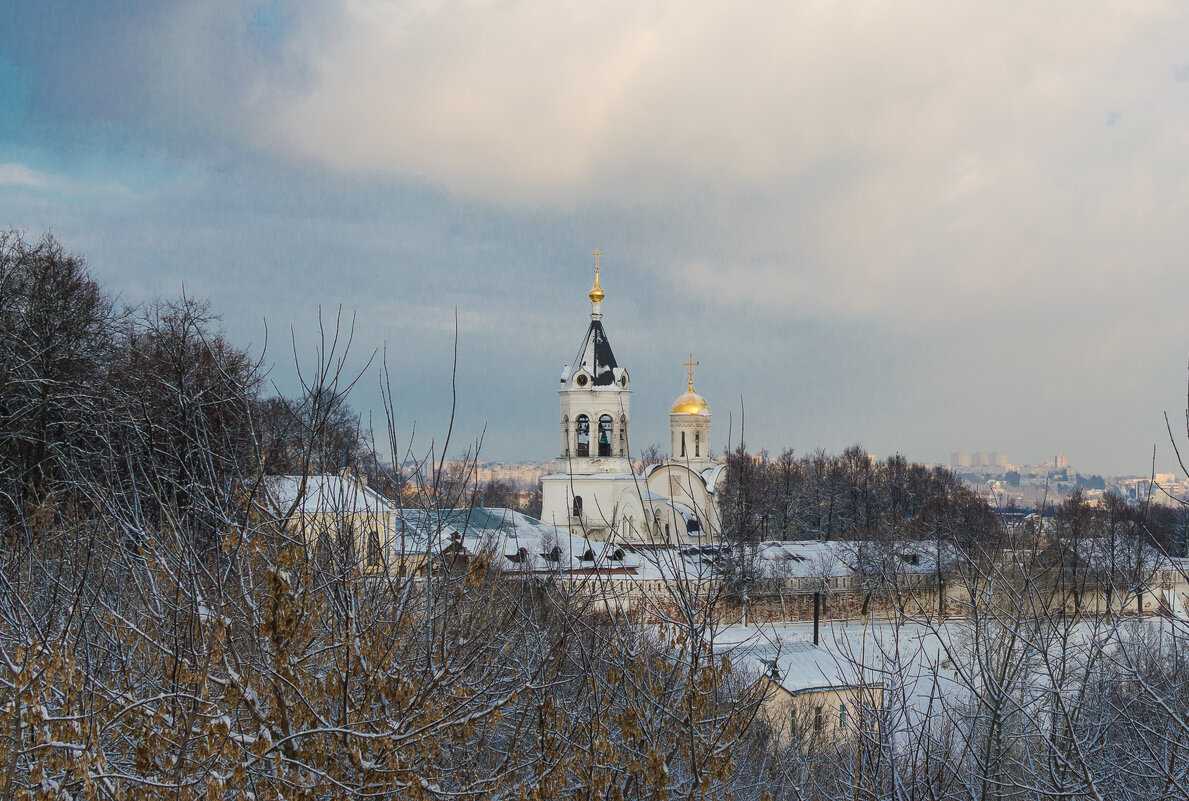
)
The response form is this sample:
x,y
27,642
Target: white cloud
x,y
20,175
934,159
529,100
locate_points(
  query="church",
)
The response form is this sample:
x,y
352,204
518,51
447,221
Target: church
x,y
594,491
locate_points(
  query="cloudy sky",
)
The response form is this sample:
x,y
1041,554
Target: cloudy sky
x,y
922,227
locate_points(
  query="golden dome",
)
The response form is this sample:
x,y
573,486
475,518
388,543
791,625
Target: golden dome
x,y
596,292
691,403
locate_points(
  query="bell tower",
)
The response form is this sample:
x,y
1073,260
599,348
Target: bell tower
x,y
689,425
595,399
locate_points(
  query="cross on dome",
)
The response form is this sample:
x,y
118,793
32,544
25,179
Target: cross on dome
x,y
689,366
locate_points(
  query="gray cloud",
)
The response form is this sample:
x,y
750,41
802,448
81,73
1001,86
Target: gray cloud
x,y
921,227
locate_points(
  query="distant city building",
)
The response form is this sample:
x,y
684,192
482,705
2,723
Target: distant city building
x,y
1061,462
981,459
998,459
959,459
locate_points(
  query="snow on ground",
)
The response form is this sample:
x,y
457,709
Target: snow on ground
x,y
925,668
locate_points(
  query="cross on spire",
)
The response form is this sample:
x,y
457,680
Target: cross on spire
x,y
689,366
596,292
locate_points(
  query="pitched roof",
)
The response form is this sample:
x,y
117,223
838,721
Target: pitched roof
x,y
595,358
322,495
525,542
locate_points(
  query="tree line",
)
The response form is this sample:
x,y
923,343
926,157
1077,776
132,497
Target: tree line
x,y
848,496
152,396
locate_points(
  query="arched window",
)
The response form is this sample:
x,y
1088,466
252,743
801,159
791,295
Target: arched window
x,y
683,443
325,548
577,506
565,435
697,444
374,556
582,428
605,435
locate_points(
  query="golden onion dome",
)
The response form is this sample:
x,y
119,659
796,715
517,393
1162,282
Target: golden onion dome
x,y
596,292
691,403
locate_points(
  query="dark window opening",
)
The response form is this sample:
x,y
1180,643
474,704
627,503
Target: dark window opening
x,y
617,555
374,557
347,541
577,506
697,444
553,555
605,435
693,525
582,427
817,718
683,443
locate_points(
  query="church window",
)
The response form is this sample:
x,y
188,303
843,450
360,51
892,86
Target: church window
x,y
374,555
697,443
683,443
605,435
347,541
324,547
582,428
577,506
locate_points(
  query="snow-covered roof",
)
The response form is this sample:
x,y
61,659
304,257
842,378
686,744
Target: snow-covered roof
x,y
803,667
522,542
804,558
322,495
592,477
1119,553
711,475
